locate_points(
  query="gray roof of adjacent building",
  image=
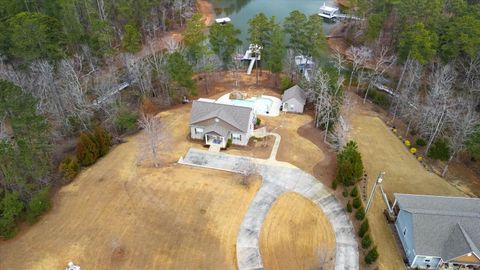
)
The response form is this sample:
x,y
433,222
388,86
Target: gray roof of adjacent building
x,y
236,116
295,92
443,226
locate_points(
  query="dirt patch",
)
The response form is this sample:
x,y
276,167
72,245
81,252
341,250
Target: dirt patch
x,y
296,234
324,170
256,148
206,9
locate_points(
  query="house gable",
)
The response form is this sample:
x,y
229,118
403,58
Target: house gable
x,y
467,258
212,122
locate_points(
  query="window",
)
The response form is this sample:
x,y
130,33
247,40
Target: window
x,y
237,137
198,131
404,231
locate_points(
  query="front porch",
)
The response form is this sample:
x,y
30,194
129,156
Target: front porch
x,y
215,139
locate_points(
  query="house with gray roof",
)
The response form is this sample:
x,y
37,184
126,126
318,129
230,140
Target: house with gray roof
x,y
215,123
294,99
439,232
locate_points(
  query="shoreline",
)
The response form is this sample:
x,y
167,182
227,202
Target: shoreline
x,y
343,3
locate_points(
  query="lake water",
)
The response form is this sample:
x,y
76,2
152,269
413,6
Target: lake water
x,y
240,11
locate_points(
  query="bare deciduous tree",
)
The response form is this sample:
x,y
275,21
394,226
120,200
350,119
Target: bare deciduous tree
x,y
462,124
383,62
208,63
338,61
158,62
74,92
438,103
290,65
327,100
152,133
172,45
140,71
247,169
407,100
359,57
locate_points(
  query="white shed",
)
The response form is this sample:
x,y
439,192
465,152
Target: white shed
x,y
294,99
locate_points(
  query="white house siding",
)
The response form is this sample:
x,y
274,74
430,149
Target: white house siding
x,y
244,138
193,134
297,106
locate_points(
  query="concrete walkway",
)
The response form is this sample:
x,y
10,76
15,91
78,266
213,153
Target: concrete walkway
x,y
276,145
279,177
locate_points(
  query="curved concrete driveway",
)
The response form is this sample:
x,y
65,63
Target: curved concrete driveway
x,y
279,177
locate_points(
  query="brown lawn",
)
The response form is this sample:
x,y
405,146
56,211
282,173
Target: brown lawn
x,y
118,216
296,234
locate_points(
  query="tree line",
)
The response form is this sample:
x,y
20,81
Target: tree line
x,y
54,29
437,44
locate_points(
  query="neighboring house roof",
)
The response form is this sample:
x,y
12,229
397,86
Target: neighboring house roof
x,y
295,92
236,116
447,227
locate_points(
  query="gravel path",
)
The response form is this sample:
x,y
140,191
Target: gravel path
x,y
279,177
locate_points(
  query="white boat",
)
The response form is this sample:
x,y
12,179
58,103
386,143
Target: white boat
x,y
328,12
223,20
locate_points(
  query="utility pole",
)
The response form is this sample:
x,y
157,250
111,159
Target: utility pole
x,y
372,194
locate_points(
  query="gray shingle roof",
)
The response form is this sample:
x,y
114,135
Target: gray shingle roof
x,y
295,92
218,128
443,226
237,116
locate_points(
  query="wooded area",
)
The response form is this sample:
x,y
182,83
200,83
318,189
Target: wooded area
x,y
438,46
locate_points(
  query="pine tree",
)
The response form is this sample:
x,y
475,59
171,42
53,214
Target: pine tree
x,y
132,40
372,256
276,52
224,40
363,228
366,241
181,71
349,165
194,38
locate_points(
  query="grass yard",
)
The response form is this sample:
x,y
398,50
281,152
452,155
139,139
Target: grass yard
x,y
120,215
296,234
382,151
117,216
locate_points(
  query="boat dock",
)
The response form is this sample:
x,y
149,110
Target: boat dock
x,y
331,13
252,55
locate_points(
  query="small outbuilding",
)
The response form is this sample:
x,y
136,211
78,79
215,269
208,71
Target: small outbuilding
x,y
294,99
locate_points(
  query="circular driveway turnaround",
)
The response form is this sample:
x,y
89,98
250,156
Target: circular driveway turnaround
x,y
278,178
